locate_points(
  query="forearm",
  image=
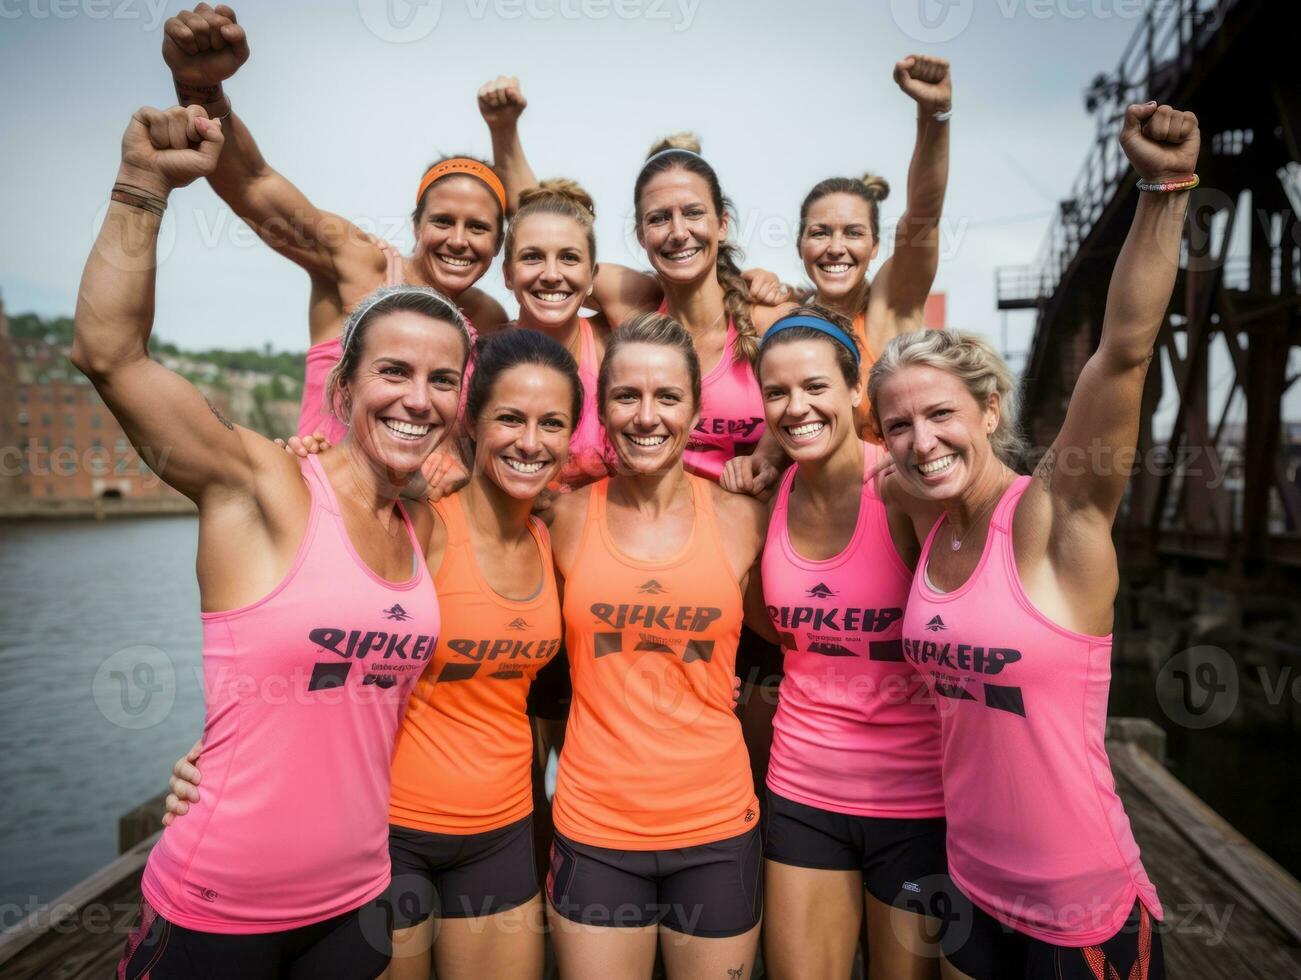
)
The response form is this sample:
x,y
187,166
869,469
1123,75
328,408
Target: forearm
x,y
1144,277
115,302
928,172
511,164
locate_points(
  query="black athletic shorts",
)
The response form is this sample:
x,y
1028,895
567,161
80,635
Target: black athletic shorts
x,y
902,861
460,876
711,890
758,662
353,946
986,949
551,692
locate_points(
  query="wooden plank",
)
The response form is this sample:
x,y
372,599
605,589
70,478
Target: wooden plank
x,y
1276,892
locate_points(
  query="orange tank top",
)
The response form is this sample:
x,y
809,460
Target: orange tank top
x,y
463,760
863,413
653,756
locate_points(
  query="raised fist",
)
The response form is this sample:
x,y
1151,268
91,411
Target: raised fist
x,y
167,148
926,81
1160,142
203,47
501,102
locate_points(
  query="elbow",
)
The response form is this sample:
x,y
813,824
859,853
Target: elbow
x,y
93,364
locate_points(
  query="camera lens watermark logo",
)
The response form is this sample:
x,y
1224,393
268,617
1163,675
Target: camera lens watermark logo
x,y
947,914
140,250
1198,687
135,687
932,21
400,21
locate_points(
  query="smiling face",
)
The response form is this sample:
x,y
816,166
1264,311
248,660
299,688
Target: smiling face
x,y
837,245
521,438
457,233
936,432
404,394
550,270
807,403
680,227
648,408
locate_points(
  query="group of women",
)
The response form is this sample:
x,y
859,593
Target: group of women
x,y
377,636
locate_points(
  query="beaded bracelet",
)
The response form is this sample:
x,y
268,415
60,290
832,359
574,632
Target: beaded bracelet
x,y
137,197
1170,186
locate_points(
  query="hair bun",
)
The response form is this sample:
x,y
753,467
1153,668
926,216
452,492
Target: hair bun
x,y
559,187
676,141
877,187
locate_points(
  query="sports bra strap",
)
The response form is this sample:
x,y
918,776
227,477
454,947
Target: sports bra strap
x,y
1006,507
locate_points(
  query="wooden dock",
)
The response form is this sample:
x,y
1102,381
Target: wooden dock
x,y
1232,913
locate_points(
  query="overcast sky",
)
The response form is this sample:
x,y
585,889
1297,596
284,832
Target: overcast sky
x,y
351,98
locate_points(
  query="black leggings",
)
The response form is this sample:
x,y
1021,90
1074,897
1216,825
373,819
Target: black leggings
x,y
356,945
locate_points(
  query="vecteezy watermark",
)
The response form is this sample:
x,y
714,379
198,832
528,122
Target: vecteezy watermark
x,y
135,687
932,21
406,21
152,12
1198,687
99,461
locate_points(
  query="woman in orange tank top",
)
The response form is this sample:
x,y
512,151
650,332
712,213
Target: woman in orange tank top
x,y
657,838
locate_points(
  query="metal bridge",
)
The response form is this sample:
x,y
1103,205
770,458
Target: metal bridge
x,y
1210,535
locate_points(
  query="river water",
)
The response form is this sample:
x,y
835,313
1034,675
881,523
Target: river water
x,y
100,691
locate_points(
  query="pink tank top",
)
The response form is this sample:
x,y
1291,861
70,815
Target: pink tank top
x,y
305,689
1037,836
731,412
314,414
856,730
588,448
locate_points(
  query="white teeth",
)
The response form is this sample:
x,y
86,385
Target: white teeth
x,y
409,430
838,267
807,429
648,441
520,466
937,465
454,261
681,256
553,297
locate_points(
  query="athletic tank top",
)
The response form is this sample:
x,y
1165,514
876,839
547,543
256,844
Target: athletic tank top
x,y
588,448
856,730
653,756
463,762
1037,836
731,412
314,414
304,689
863,413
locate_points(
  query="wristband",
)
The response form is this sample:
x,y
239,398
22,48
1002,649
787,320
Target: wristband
x,y
1169,186
944,115
135,197
206,96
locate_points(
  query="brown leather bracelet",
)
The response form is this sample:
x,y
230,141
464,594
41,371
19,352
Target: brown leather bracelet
x,y
132,198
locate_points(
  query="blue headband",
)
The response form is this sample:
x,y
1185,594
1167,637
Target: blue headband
x,y
813,323
671,149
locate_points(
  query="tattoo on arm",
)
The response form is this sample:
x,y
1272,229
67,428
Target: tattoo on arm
x,y
221,418
736,974
1044,470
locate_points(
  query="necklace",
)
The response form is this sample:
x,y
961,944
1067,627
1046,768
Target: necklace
x,y
955,539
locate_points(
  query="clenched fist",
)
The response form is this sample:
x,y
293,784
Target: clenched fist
x,y
501,102
203,47
1160,142
163,149
926,81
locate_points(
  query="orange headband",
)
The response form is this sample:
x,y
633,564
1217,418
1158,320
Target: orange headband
x,y
462,165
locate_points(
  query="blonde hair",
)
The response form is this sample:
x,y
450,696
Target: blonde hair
x,y
973,361
386,299
559,196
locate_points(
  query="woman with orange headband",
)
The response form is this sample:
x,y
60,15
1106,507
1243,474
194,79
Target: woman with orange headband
x,y
459,215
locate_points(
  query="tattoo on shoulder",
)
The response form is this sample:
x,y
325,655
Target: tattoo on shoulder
x,y
1044,471
221,418
736,974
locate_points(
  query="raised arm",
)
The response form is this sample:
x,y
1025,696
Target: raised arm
x,y
500,103
175,430
1086,468
203,48
904,281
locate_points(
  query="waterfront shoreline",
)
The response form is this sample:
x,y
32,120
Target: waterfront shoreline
x,y
56,510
